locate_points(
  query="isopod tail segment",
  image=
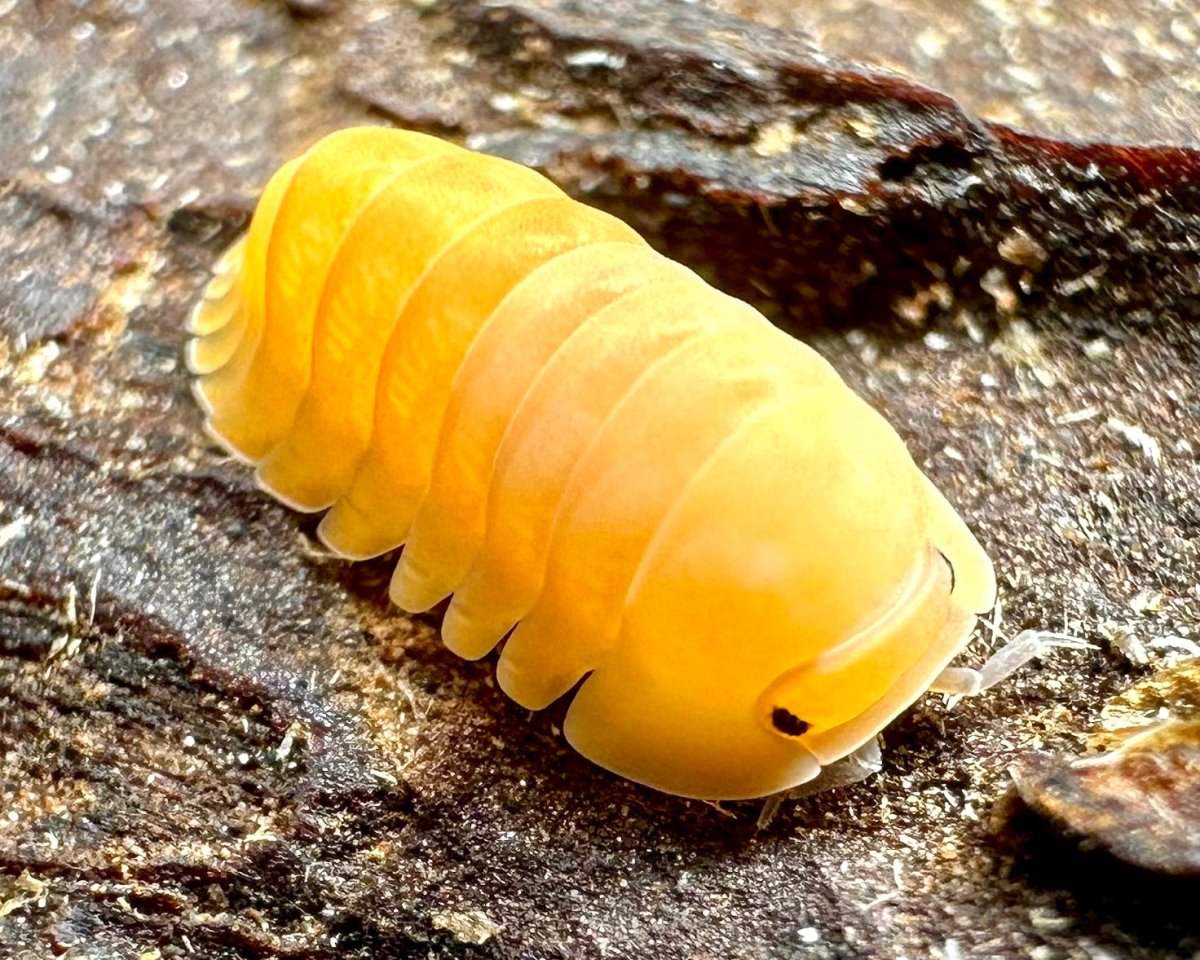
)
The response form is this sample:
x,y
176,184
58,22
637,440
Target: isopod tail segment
x,y
571,434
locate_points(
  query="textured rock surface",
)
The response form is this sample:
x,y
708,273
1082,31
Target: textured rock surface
x,y
215,739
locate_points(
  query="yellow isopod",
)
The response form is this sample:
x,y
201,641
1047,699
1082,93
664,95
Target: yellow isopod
x,y
578,437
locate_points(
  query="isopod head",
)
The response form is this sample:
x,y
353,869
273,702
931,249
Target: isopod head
x,y
762,640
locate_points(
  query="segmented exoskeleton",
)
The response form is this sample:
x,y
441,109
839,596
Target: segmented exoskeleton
x,y
579,437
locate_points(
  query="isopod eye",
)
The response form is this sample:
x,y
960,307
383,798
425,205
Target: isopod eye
x,y
787,723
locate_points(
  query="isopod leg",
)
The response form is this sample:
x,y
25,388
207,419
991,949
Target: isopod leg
x,y
863,763
1024,647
